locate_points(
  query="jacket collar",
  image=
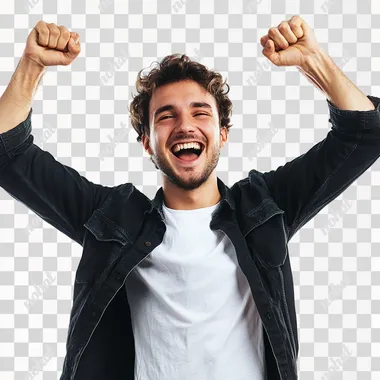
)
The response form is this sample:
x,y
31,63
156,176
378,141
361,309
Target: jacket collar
x,y
225,197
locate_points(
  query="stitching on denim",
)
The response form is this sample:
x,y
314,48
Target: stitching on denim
x,y
271,215
15,133
367,124
108,198
263,287
106,219
364,115
293,227
259,207
348,113
17,130
266,265
115,225
102,276
5,147
11,134
286,306
282,339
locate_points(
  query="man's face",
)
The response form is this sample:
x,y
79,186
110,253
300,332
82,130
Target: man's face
x,y
184,122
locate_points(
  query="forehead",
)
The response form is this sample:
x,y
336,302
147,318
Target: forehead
x,y
179,94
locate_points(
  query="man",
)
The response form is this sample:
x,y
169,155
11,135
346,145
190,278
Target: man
x,y
196,283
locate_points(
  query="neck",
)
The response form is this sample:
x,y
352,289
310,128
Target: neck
x,y
204,196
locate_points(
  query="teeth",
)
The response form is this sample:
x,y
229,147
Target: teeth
x,y
194,145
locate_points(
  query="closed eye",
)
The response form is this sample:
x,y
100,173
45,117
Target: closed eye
x,y
164,117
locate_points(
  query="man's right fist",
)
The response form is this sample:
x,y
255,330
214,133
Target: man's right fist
x,y
52,45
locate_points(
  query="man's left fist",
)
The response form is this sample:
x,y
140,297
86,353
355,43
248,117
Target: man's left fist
x,y
290,44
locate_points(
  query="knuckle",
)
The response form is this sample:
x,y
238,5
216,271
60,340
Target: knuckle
x,y
283,26
42,28
272,31
54,31
64,32
41,23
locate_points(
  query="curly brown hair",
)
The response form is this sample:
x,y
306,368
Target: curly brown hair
x,y
174,68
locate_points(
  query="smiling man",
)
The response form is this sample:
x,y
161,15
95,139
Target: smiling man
x,y
196,283
184,142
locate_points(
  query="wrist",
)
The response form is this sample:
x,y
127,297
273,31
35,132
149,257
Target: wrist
x,y
319,58
15,102
321,70
28,71
24,81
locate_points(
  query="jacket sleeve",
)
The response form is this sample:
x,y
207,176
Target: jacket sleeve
x,y
303,186
55,192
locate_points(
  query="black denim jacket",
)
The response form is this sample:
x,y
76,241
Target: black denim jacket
x,y
119,226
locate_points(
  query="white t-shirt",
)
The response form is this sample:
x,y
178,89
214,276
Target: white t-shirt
x,y
192,311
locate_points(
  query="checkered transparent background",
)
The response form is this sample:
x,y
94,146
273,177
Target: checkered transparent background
x,y
80,115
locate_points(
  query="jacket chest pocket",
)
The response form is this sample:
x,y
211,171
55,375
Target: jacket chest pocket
x,y
265,235
103,244
267,245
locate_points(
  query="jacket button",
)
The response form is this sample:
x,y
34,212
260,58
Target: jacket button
x,y
148,243
93,313
118,277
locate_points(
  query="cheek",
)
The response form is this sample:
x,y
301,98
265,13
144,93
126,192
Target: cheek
x,y
158,146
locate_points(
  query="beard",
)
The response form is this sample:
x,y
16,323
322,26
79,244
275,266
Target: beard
x,y
192,178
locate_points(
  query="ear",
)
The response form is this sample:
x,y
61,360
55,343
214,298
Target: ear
x,y
146,144
223,136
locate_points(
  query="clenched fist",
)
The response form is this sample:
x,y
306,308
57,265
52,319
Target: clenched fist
x,y
291,43
52,45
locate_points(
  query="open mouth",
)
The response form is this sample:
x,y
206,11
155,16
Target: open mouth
x,y
189,155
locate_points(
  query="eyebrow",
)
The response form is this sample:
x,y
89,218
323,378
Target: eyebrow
x,y
170,107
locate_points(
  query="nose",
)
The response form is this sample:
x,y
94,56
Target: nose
x,y
185,124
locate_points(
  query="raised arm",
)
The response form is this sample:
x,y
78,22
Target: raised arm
x,y
303,186
55,192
